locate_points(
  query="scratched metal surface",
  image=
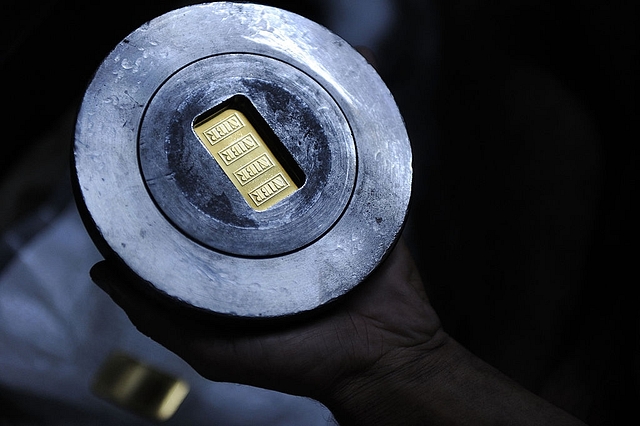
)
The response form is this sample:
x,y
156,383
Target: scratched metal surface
x,y
127,220
200,199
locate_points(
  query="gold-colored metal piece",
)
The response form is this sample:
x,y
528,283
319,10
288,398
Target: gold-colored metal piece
x,y
245,158
139,388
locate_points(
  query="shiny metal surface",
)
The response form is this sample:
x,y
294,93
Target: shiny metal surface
x,y
195,193
157,200
246,158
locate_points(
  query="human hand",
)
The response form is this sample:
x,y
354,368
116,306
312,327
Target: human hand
x,y
383,321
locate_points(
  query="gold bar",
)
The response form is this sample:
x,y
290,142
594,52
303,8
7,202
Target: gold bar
x,y
139,388
245,158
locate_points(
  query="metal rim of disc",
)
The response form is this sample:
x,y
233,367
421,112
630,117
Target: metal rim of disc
x,y
126,219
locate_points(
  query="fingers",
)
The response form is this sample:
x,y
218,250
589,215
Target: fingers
x,y
103,275
214,351
386,311
148,315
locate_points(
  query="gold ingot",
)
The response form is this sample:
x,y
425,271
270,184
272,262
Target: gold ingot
x,y
245,158
139,388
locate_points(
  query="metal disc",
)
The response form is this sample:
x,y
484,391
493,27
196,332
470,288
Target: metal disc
x,y
185,213
200,199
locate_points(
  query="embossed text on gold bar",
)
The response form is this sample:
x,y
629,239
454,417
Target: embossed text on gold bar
x,y
245,158
270,189
238,149
221,129
255,169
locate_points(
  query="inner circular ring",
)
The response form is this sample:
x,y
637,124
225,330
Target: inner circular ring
x,y
195,192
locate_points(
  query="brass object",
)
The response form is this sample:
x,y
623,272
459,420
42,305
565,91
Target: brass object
x,y
245,158
139,388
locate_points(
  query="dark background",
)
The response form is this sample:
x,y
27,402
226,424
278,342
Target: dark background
x,y
523,120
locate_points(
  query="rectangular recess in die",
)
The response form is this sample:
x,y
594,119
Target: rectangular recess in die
x,y
250,154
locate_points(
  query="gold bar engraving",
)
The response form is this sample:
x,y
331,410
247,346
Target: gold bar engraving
x,y
235,144
270,189
238,150
250,172
224,128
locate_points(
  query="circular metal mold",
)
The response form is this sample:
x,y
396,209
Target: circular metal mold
x,y
196,195
141,173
